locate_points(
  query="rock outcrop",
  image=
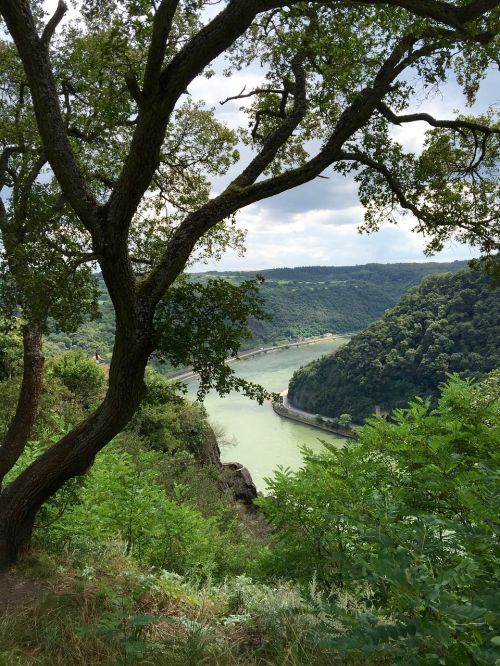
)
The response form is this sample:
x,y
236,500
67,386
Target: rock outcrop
x,y
234,477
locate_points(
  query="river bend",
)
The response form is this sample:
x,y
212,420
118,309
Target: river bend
x,y
254,435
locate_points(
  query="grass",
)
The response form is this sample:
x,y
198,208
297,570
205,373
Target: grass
x,y
111,612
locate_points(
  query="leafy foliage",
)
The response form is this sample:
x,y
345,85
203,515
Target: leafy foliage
x,y
168,423
200,325
153,490
11,350
80,375
404,525
123,499
449,323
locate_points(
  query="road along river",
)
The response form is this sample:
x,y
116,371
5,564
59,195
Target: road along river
x,y
258,438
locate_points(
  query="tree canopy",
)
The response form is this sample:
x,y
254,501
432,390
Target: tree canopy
x,y
449,323
134,160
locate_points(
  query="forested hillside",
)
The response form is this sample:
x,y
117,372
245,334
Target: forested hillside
x,y
146,560
304,301
449,323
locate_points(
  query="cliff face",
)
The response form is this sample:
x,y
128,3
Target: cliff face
x,y
234,478
448,324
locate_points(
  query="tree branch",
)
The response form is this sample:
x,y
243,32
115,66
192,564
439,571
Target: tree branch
x,y
443,12
212,40
476,9
280,136
396,188
244,190
134,89
51,26
22,422
257,91
22,196
358,156
425,117
5,156
162,25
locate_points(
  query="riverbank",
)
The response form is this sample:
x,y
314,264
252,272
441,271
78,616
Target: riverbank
x,y
190,374
285,410
251,433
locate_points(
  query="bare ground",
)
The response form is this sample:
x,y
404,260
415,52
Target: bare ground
x,y
17,591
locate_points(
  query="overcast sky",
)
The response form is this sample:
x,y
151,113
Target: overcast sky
x,y
316,224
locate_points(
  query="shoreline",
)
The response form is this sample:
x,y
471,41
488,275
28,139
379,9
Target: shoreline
x,y
286,410
287,413
190,374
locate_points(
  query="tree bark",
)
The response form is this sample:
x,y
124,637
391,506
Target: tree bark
x,y
27,404
74,454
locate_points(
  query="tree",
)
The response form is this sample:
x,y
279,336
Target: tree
x,y
134,161
345,420
41,275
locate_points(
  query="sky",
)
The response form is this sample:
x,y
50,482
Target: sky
x,y
317,223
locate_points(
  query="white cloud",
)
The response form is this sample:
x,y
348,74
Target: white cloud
x,y
324,237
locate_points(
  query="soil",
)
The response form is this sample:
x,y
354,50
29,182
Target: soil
x,y
17,591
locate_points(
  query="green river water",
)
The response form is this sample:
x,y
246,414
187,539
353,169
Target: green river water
x,y
256,437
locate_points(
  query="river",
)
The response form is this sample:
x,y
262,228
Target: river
x,y
253,434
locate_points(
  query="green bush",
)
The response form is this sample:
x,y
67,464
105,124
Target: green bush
x,y
405,524
122,499
80,374
58,409
345,420
167,422
11,352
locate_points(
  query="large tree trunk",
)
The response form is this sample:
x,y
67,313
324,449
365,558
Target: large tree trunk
x,y
73,454
27,404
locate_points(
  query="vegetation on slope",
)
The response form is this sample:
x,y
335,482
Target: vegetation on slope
x,y
383,552
449,323
401,530
140,489
302,302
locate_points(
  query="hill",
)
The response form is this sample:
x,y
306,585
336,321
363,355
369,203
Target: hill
x,y
449,323
312,300
303,302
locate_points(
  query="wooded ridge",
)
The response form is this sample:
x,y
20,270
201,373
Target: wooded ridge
x,y
303,302
449,323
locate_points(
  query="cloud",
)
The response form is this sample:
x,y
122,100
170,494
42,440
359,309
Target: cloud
x,y
317,223
217,88
324,237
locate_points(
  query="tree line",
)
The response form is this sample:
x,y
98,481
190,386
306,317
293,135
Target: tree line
x,y
448,324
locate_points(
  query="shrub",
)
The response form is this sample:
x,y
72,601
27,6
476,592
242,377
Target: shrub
x,y
167,422
405,522
80,375
122,499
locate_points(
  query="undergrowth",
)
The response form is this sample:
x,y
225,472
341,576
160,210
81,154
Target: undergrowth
x,y
113,612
